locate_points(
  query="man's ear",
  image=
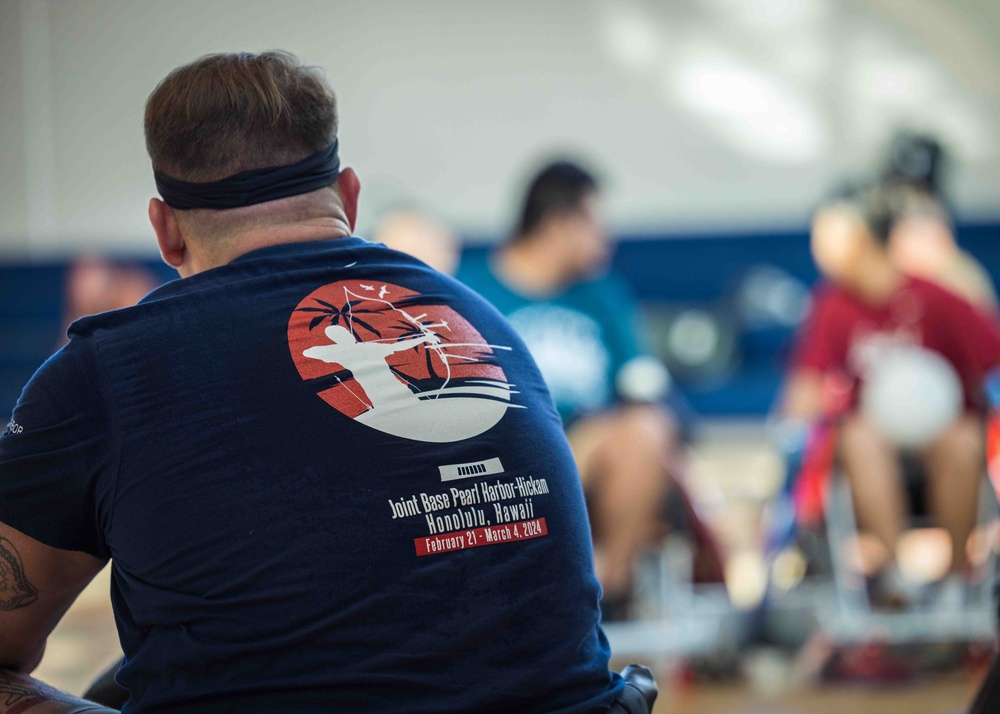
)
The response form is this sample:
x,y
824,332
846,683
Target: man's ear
x,y
349,186
172,246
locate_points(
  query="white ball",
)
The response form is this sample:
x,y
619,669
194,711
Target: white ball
x,y
912,395
643,379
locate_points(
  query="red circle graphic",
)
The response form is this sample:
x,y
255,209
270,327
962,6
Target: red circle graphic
x,y
428,347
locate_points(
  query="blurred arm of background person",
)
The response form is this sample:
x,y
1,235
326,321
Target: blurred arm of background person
x,y
802,396
420,234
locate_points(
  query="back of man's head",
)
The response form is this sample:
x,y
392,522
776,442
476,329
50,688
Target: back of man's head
x,y
227,113
559,188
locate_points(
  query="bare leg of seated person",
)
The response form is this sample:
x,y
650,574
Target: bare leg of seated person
x,y
20,693
622,456
954,468
872,467
954,465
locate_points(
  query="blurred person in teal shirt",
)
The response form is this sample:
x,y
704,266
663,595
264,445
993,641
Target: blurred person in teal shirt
x,y
582,328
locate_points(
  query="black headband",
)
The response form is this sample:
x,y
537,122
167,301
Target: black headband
x,y
254,186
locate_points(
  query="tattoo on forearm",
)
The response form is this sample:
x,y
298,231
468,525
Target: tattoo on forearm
x,y
12,691
20,694
15,590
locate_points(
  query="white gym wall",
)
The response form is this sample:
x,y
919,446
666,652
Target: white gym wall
x,y
695,120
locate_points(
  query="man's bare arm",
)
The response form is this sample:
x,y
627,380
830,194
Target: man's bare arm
x,y
802,396
15,590
38,583
20,693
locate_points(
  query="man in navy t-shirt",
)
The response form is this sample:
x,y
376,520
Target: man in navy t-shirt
x,y
327,477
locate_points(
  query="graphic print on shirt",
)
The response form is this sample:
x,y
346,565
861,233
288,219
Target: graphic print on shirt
x,y
570,350
869,345
870,342
402,363
399,362
471,514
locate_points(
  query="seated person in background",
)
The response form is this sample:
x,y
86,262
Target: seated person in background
x,y
922,244
328,478
421,235
865,313
582,330
95,285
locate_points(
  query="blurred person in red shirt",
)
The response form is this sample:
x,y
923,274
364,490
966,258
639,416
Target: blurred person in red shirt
x,y
866,308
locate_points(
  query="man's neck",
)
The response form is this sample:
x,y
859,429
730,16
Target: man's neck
x,y
247,241
304,232
530,268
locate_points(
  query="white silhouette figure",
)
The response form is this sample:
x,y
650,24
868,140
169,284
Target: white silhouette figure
x,y
366,361
441,415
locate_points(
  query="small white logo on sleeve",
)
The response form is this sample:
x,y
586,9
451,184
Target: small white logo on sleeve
x,y
13,428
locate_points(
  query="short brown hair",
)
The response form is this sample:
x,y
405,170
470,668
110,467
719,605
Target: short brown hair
x,y
226,113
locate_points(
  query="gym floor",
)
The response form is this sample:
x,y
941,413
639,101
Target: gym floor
x,y
85,643
728,460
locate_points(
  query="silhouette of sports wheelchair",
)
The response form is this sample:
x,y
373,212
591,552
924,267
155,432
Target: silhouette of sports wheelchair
x,y
814,511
